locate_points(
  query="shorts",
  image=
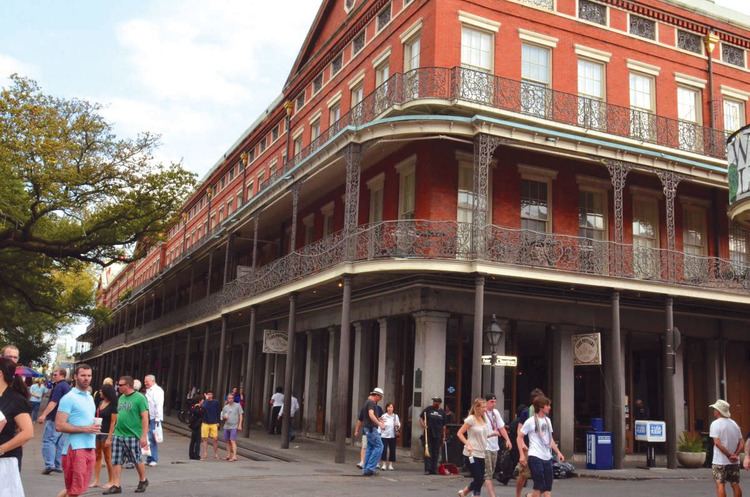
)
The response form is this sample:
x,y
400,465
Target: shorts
x,y
230,434
78,466
729,473
522,471
541,472
210,430
490,461
126,449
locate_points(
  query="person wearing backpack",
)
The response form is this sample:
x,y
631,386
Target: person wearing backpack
x,y
539,458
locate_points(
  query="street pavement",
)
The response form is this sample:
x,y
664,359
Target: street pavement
x,y
312,473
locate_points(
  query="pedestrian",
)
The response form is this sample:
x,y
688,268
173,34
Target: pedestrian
x,y
17,430
76,417
433,422
98,394
277,400
363,441
155,398
52,440
195,421
727,436
474,434
522,471
497,426
232,416
11,352
370,427
130,435
107,411
36,392
388,435
292,412
210,424
541,442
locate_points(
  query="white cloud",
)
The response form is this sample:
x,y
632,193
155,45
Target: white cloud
x,y
10,65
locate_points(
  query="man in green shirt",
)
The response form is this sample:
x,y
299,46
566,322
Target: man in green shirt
x,y
130,435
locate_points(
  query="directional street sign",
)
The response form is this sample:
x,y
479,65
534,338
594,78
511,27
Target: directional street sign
x,y
501,360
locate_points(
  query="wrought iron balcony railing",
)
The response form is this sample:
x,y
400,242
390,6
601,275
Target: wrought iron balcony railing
x,y
450,240
522,97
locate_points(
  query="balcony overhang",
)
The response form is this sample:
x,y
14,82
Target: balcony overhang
x,y
738,156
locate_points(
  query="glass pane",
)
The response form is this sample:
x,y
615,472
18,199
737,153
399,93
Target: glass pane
x,y
535,63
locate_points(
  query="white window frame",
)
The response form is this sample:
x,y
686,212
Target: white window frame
x,y
540,175
596,186
327,212
468,31
741,108
376,188
407,199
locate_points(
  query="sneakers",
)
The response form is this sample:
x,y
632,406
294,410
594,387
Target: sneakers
x,y
390,467
112,490
152,463
360,464
383,467
141,486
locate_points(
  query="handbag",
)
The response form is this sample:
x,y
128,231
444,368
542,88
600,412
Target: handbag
x,y
158,432
11,478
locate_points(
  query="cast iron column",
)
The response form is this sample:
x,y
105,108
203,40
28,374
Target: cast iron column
x,y
185,370
669,403
205,358
476,356
618,385
289,371
343,381
249,370
220,366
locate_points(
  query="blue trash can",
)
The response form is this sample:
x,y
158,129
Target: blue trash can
x,y
599,450
597,424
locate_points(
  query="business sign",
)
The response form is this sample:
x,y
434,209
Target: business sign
x,y
275,342
587,349
738,157
650,431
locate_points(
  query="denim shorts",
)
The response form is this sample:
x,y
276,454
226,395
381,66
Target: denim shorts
x,y
541,472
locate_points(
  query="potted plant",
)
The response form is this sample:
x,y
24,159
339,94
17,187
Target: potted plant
x,y
691,453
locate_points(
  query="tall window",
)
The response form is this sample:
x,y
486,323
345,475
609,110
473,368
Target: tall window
x,y
477,57
694,240
334,114
382,73
406,189
327,212
376,198
734,115
689,115
536,76
592,214
297,145
739,241
642,118
382,100
591,88
535,206
309,223
315,130
357,95
465,205
645,237
412,49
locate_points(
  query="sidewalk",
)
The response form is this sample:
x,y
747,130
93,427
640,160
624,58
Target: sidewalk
x,y
261,446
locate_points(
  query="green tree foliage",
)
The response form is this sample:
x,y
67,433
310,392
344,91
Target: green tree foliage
x,y
72,195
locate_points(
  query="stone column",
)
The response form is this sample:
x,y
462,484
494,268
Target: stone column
x,y
219,384
309,409
617,378
670,405
713,373
185,371
429,367
563,378
288,372
387,377
204,363
478,338
360,388
343,372
249,366
331,381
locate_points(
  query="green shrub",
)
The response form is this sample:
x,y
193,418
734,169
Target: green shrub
x,y
690,442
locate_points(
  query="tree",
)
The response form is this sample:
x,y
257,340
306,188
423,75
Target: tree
x,y
72,195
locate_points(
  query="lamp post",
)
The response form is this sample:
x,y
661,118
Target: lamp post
x,y
494,334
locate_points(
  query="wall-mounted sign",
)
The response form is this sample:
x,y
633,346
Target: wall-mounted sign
x,y
587,349
275,342
738,157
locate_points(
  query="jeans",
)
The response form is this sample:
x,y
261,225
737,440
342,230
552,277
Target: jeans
x,y
152,442
541,472
374,450
477,474
35,411
389,449
52,446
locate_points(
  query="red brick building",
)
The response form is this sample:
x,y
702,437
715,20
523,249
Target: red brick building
x,y
560,164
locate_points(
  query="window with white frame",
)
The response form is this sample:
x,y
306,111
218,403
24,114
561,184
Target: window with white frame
x,y
643,27
297,145
249,189
689,114
535,214
334,114
694,240
406,188
318,83
733,55
412,49
536,78
358,43
477,55
336,64
327,212
592,213
315,129
384,17
591,89
309,223
300,101
734,114
592,12
646,255
382,73
375,186
642,118
357,95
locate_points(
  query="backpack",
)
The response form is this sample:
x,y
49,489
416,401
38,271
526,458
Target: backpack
x,y
504,467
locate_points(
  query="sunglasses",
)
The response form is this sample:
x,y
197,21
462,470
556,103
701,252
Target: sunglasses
x,y
122,384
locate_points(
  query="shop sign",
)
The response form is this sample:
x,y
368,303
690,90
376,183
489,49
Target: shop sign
x,y
275,342
738,157
587,349
650,431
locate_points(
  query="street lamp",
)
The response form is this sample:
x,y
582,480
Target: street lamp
x,y
494,334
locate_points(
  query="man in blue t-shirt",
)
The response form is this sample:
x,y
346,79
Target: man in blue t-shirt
x,y
53,441
210,426
75,416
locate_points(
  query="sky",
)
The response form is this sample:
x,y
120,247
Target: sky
x,y
196,72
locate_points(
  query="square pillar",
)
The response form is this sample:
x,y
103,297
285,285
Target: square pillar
x,y
431,331
332,374
387,377
312,386
360,388
563,383
713,374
